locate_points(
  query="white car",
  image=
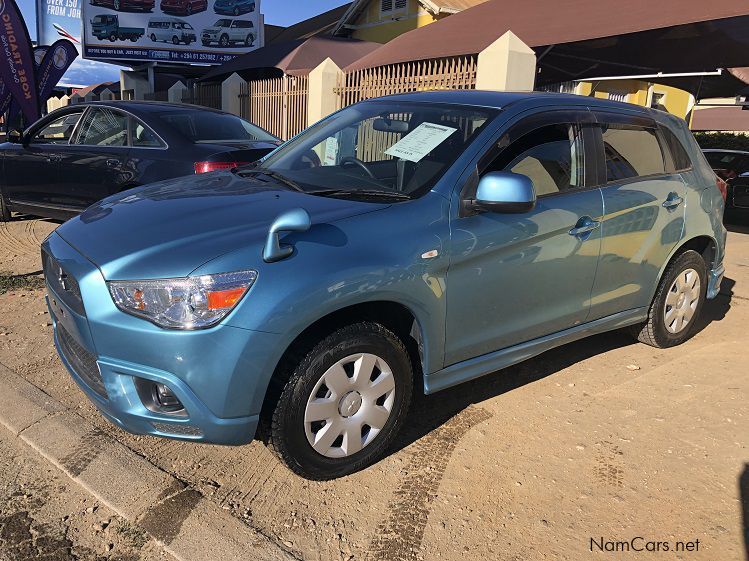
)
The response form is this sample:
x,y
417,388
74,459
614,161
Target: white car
x,y
227,32
171,30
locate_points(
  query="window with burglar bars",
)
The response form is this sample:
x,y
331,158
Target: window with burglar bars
x,y
392,5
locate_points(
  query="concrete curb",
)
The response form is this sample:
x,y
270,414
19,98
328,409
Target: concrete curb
x,y
189,526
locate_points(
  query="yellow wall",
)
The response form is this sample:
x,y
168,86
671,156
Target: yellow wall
x,y
675,101
372,25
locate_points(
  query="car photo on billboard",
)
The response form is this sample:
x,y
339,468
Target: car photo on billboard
x,y
108,27
183,7
126,5
234,7
228,33
171,30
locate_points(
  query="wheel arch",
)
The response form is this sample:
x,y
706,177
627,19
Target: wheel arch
x,y
395,316
703,244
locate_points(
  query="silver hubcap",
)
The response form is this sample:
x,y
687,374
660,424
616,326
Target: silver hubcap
x,y
349,405
682,300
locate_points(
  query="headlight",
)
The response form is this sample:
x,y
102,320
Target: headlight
x,y
184,303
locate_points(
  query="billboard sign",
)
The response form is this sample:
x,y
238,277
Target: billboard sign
x,y
173,31
61,19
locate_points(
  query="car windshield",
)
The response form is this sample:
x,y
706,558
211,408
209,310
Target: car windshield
x,y
207,127
222,23
386,148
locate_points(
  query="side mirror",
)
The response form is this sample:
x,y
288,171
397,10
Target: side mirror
x,y
15,137
501,191
294,220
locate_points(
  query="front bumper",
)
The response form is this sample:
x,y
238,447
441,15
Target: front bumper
x,y
220,374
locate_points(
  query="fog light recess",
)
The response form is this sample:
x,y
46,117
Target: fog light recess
x,y
159,398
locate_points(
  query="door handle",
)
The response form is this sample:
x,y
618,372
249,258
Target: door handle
x,y
672,201
113,163
584,227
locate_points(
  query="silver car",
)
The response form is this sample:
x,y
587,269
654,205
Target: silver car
x,y
228,32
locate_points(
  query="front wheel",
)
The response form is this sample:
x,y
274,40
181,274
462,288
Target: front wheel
x,y
153,37
224,41
344,402
677,303
249,40
175,40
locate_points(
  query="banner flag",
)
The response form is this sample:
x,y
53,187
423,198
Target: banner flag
x,y
59,56
17,60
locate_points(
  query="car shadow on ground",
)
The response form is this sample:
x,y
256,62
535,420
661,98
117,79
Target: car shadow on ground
x,y
432,411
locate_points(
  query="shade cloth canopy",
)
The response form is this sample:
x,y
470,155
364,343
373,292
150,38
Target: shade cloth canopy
x,y
580,39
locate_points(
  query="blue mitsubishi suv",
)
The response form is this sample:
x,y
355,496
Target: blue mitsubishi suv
x,y
403,244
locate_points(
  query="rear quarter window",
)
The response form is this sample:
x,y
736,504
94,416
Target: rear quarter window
x,y
679,157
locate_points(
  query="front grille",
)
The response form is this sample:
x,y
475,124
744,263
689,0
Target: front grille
x,y
82,361
62,284
176,429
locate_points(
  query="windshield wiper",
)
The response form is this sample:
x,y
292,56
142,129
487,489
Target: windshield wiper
x,y
273,175
362,192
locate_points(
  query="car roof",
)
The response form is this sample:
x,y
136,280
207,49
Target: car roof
x,y
502,100
146,107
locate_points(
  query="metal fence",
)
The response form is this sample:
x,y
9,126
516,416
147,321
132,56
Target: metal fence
x,y
458,73
279,105
207,95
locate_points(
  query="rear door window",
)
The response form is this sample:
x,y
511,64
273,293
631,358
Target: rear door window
x,y
103,127
631,151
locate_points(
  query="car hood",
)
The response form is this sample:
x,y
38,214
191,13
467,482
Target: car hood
x,y
211,30
169,229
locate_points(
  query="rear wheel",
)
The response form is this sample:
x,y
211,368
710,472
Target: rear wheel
x,y
153,37
248,40
4,210
175,40
113,37
343,403
677,303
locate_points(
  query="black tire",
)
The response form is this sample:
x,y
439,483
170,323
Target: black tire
x,y
235,11
153,37
224,41
287,436
654,331
116,5
188,9
4,210
249,40
113,37
175,40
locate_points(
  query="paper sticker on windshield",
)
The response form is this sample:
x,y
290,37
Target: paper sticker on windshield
x,y
419,142
331,151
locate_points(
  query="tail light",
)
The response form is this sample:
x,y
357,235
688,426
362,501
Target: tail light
x,y
722,187
205,167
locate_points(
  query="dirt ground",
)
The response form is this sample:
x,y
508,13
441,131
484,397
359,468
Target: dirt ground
x,y
598,442
46,517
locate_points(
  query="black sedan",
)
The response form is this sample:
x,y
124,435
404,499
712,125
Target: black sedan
x,y
82,153
732,166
